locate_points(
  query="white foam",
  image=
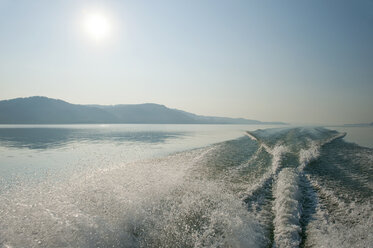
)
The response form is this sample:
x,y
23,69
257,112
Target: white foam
x,y
287,209
161,202
277,153
251,136
347,224
308,155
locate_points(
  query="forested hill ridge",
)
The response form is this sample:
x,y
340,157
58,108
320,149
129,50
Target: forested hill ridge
x,y
43,110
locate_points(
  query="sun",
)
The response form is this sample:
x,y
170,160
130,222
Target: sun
x,y
96,25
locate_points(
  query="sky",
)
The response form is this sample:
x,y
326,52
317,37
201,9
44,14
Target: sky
x,y
293,61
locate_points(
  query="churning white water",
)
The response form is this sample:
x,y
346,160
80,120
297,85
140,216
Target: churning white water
x,y
294,187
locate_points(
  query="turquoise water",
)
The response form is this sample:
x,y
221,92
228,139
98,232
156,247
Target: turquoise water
x,y
184,186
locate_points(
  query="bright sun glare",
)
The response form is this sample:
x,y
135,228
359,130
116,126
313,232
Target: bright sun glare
x,y
97,25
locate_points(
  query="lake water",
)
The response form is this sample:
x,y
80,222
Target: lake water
x,y
34,151
185,186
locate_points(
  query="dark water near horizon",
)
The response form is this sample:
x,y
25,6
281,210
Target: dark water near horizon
x,y
185,186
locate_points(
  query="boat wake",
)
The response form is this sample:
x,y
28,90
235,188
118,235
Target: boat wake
x,y
296,187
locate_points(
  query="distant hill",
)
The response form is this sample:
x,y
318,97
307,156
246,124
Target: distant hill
x,y
359,125
43,110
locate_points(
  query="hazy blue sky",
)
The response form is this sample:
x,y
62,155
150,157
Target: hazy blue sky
x,y
294,61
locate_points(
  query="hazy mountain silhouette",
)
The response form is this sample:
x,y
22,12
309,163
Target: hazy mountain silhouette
x,y
43,110
359,125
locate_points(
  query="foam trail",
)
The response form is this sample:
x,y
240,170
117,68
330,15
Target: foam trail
x,y
308,155
165,202
287,209
277,152
342,225
286,189
251,136
342,216
285,146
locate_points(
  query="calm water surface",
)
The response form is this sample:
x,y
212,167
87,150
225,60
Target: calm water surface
x,y
30,152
